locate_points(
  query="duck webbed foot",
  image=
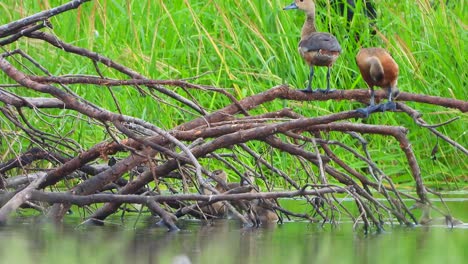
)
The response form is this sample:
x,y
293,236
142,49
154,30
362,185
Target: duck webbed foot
x,y
370,109
388,106
307,90
324,91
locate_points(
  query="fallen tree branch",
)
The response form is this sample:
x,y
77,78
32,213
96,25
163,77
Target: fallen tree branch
x,y
58,197
291,94
15,26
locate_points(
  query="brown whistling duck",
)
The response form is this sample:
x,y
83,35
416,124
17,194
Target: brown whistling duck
x,y
426,218
221,180
317,48
223,186
258,210
378,68
216,209
261,210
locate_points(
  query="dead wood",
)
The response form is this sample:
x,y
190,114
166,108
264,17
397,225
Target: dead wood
x,y
179,160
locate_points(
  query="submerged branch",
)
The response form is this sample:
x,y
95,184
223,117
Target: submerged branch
x,y
58,197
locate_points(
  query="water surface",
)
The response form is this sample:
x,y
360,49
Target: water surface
x,y
225,241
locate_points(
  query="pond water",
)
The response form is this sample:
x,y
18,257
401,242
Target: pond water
x,y
225,241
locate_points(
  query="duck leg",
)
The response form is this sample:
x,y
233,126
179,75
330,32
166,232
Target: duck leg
x,y
390,105
328,90
372,97
372,106
309,86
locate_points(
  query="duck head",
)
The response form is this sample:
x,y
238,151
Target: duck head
x,y
248,179
304,5
220,176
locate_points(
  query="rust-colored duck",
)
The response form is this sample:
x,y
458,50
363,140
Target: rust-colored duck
x,y
378,68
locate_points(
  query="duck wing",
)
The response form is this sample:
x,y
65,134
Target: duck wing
x,y
320,41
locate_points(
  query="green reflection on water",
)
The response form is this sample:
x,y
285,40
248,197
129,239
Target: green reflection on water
x,y
30,241
226,242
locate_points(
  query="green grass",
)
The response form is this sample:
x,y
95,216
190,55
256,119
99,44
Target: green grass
x,y
250,46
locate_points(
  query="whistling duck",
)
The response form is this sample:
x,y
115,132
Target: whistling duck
x,y
426,218
223,186
260,209
378,68
317,48
216,209
263,212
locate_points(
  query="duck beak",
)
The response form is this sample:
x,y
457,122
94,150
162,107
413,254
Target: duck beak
x,y
291,6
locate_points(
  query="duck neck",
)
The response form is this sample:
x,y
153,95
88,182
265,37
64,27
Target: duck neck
x,y
309,25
